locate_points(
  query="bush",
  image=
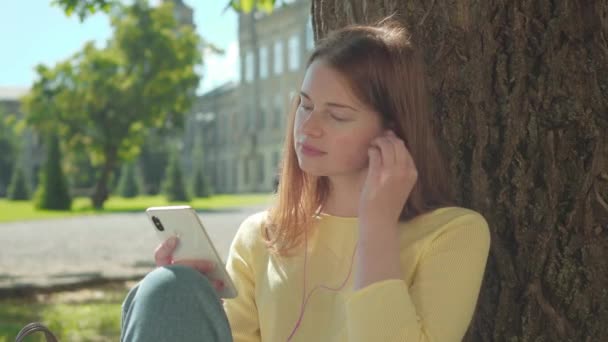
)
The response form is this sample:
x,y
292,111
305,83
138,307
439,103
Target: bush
x,y
200,184
201,187
52,192
174,185
18,190
127,186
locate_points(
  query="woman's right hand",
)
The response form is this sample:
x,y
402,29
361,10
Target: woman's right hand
x,y
163,256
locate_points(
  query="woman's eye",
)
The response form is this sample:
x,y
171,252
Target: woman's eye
x,y
337,118
308,108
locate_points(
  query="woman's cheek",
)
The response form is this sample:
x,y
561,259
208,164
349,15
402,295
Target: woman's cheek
x,y
353,152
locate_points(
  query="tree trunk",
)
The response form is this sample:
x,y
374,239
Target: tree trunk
x,y
101,188
519,90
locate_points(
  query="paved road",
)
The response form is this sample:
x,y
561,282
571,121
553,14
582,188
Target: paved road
x,y
72,250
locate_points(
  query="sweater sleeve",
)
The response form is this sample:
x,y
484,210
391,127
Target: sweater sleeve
x,y
440,303
242,311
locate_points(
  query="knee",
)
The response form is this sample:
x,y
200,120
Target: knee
x,y
178,279
172,301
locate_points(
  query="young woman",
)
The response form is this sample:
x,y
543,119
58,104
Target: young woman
x,y
363,243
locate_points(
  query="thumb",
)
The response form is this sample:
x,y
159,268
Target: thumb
x,y
163,254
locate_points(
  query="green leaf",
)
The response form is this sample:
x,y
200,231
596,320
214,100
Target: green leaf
x,y
247,6
266,5
84,8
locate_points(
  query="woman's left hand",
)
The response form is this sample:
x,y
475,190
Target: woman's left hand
x,y
391,177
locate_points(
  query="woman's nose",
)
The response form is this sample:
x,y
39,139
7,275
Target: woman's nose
x,y
311,124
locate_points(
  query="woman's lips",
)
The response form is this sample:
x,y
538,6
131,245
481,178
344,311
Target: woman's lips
x,y
310,151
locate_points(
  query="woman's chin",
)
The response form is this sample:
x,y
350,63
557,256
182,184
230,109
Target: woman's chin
x,y
312,170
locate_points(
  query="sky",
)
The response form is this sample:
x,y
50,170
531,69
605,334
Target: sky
x,y
34,32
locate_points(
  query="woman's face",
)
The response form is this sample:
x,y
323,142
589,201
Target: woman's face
x,y
332,129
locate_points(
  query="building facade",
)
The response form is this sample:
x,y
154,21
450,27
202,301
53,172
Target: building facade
x,y
249,119
209,127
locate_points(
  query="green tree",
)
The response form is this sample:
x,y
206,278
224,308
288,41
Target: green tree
x,y
8,146
200,184
105,99
174,187
128,185
52,192
152,160
79,169
19,189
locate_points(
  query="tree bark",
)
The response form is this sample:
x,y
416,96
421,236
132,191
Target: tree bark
x,y
519,92
101,193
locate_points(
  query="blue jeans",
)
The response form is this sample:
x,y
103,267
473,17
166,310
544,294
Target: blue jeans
x,y
174,303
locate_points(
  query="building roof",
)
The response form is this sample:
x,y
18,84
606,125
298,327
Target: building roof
x,y
12,93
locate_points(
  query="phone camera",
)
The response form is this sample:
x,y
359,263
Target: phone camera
x,y
157,223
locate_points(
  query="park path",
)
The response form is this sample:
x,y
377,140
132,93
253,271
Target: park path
x,y
60,252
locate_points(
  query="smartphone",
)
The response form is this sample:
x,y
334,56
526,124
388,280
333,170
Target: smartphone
x,y
194,242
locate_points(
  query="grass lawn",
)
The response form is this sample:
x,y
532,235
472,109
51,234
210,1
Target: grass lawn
x,y
85,315
24,210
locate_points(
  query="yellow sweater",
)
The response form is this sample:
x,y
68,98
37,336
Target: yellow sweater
x,y
443,256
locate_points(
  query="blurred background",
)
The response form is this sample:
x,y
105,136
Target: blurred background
x,y
99,86
107,108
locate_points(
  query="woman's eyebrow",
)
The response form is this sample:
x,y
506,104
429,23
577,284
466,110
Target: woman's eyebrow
x,y
332,104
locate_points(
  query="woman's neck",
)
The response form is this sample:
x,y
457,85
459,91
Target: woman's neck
x,y
344,193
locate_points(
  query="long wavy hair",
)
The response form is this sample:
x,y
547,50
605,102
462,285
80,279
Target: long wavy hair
x,y
387,73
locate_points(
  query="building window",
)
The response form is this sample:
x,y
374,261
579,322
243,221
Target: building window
x,y
278,111
294,53
222,128
310,35
235,122
249,66
251,118
263,62
262,114
278,57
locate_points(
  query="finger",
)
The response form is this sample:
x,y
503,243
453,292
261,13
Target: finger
x,y
405,161
203,266
218,285
402,155
387,150
163,254
374,161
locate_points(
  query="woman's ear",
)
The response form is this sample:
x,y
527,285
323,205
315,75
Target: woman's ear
x,y
393,126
